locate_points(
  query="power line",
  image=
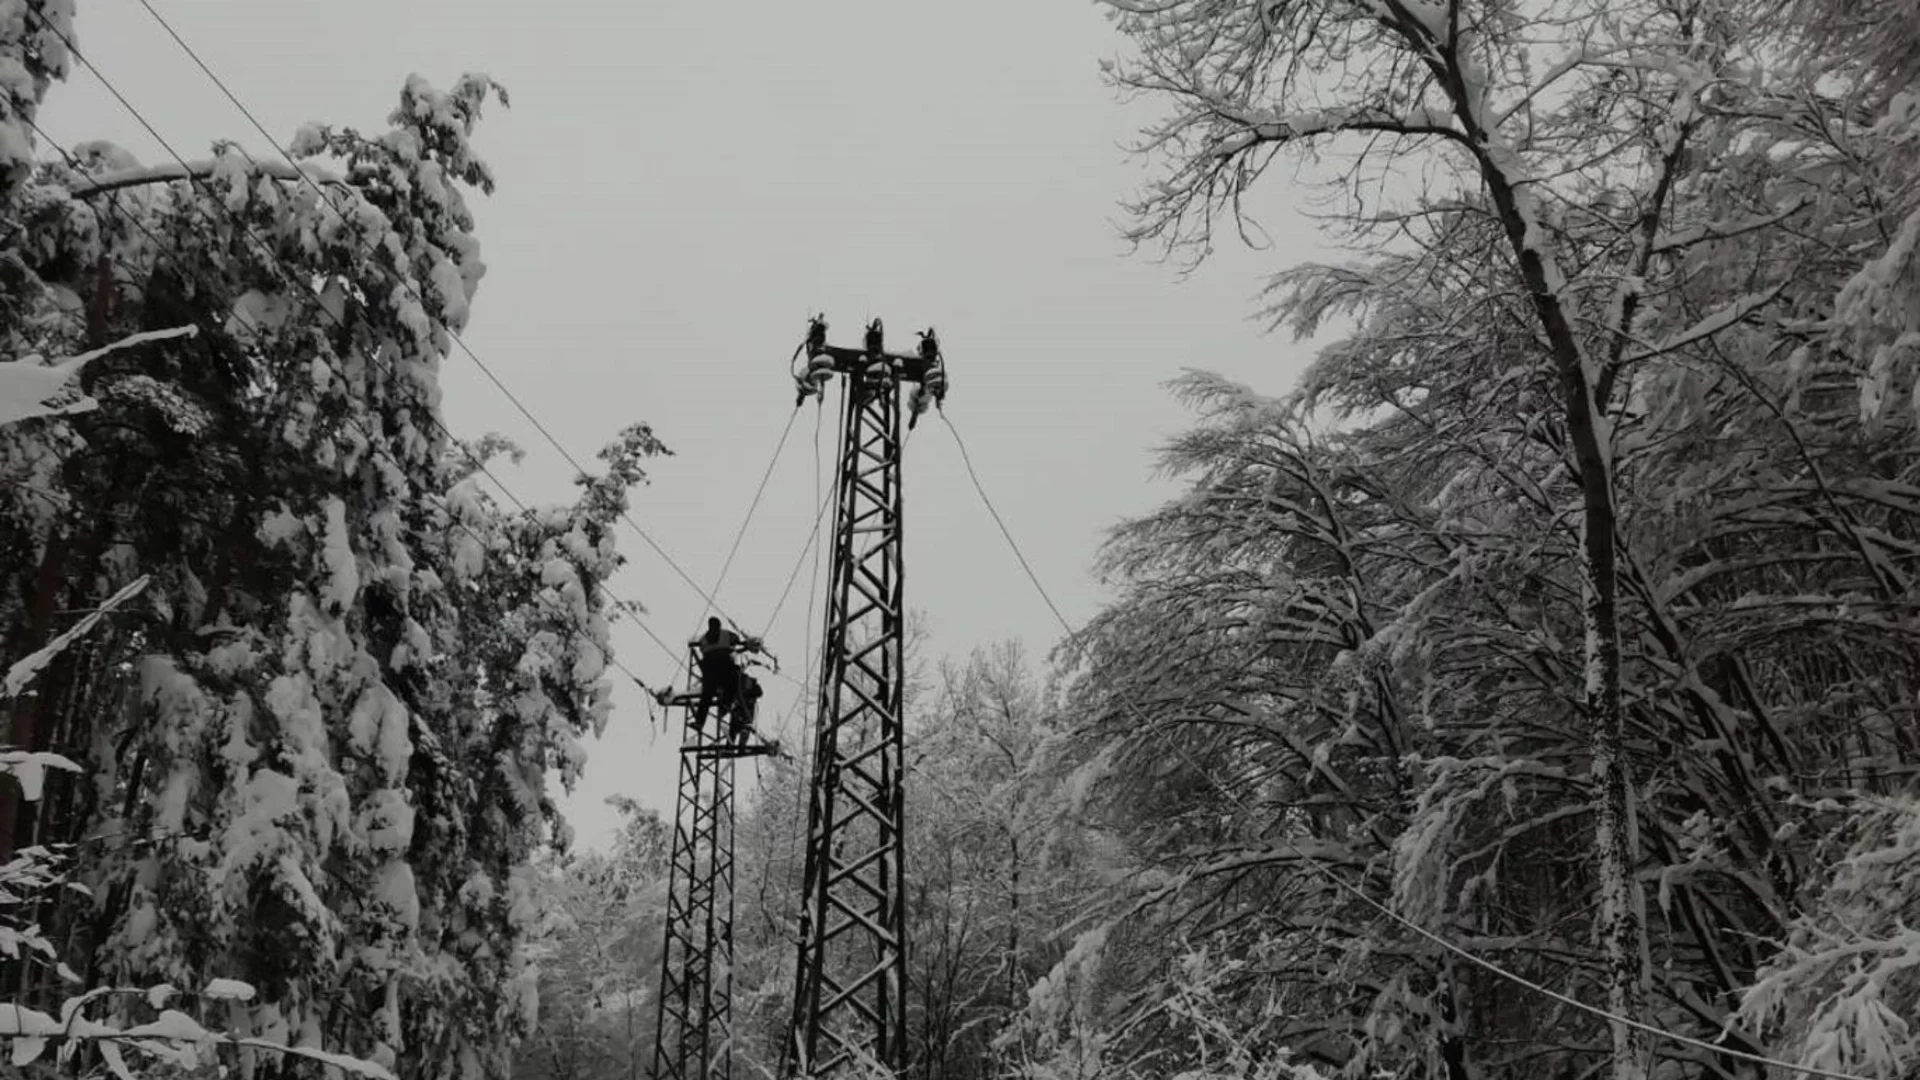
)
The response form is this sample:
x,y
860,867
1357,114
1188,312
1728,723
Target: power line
x,y
812,545
1342,885
273,258
320,305
741,533
810,669
967,460
400,279
266,249
816,671
679,663
373,444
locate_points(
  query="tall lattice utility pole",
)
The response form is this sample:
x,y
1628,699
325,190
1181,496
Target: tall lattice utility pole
x,y
849,1004
693,1023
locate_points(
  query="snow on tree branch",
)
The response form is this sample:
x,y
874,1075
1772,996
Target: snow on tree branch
x,y
105,183
27,385
22,671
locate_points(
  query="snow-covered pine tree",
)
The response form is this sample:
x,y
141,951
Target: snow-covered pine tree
x,y
33,37
321,740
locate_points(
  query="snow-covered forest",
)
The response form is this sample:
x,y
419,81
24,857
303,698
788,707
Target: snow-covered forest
x,y
1530,691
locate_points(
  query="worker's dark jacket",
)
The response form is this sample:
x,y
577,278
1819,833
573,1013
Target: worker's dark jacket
x,y
718,647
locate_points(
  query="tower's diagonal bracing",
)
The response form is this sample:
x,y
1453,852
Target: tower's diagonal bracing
x,y
850,981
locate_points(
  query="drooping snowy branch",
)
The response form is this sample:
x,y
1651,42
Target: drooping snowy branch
x,y
23,670
27,386
105,183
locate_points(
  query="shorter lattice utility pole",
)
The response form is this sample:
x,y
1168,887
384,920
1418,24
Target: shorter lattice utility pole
x,y
693,1025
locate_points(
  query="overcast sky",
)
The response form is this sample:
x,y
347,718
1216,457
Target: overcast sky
x,y
680,185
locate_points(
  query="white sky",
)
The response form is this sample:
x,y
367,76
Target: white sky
x,y
680,185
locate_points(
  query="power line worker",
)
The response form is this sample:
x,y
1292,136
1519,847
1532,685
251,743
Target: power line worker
x,y
743,713
719,673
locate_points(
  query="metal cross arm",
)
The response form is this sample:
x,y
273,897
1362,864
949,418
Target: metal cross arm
x,y
924,366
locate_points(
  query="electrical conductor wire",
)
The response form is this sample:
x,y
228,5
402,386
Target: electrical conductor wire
x,y
276,261
373,445
741,533
301,173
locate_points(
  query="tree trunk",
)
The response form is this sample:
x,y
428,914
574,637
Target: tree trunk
x,y
23,712
1616,840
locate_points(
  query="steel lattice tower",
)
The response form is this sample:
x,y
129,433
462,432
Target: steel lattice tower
x,y
693,1024
850,982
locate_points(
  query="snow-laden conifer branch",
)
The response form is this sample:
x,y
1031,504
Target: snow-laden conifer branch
x,y
23,670
107,182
